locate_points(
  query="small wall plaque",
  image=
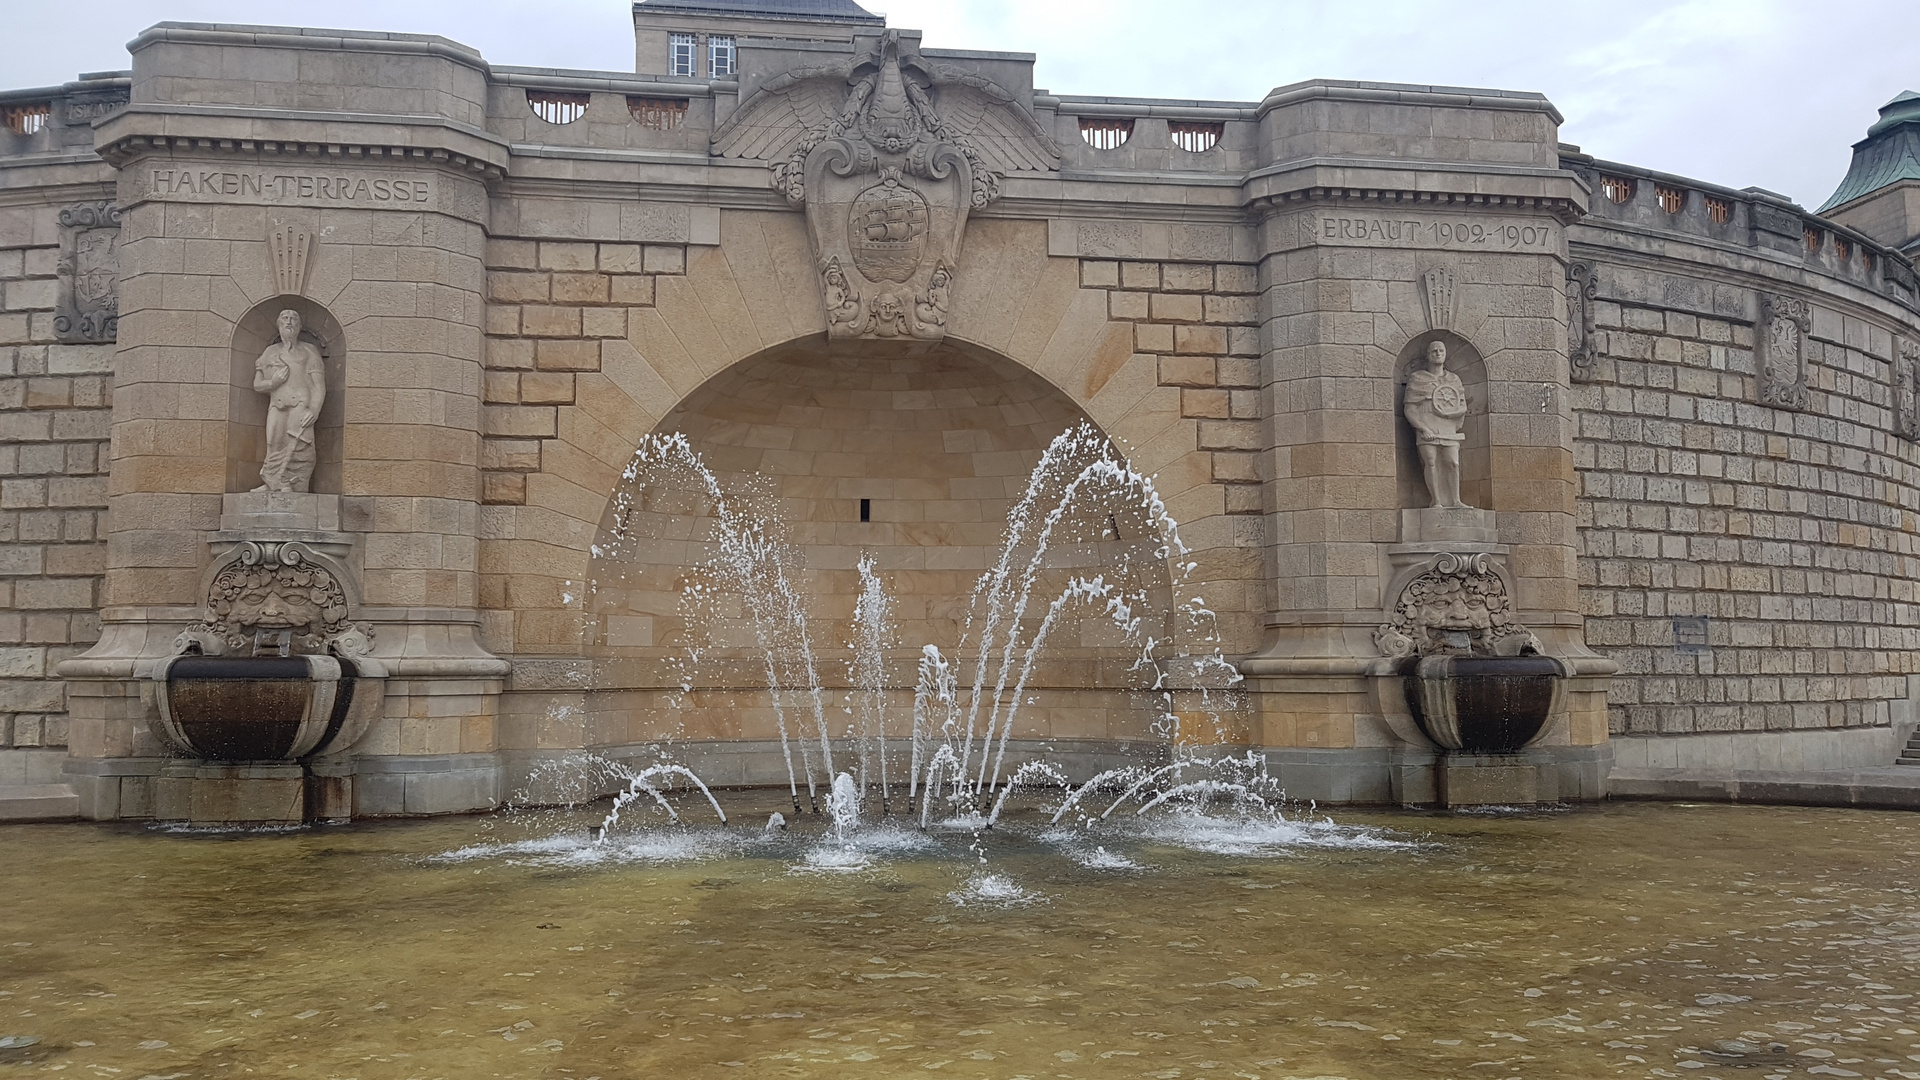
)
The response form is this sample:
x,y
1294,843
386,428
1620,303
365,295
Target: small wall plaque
x,y
1690,634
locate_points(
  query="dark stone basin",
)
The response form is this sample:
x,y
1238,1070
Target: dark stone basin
x,y
1482,704
260,708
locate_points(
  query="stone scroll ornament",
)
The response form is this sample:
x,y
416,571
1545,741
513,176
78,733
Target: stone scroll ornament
x,y
1457,606
1583,353
275,599
1781,351
88,306
887,153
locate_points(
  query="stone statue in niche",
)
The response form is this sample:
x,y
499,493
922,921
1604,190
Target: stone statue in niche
x,y
293,375
1435,404
275,598
1457,607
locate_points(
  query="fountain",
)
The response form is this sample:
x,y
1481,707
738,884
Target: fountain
x,y
1061,560
272,681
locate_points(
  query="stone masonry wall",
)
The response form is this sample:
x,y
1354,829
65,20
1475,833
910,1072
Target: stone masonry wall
x,y
55,406
1791,531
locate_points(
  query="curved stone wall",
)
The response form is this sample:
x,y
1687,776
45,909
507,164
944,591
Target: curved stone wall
x,y
1709,490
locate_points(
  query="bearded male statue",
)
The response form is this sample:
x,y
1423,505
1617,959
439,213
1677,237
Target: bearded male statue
x,y
293,375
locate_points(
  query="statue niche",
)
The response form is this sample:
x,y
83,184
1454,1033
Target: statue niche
x,y
1442,425
887,152
285,395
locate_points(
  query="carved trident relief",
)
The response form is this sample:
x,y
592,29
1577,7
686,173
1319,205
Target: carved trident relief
x,y
887,153
290,246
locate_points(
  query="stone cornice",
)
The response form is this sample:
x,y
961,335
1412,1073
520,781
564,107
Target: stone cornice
x,y
1447,97
142,129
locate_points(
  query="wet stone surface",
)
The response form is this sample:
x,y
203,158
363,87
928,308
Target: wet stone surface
x,y
1621,941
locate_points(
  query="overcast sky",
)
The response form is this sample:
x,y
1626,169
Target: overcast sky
x,y
1738,92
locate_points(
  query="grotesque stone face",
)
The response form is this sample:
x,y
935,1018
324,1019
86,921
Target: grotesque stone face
x,y
289,599
1459,606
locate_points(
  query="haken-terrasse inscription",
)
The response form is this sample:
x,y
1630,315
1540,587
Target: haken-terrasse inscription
x,y
290,187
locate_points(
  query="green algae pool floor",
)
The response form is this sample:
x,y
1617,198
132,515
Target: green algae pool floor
x,y
1624,940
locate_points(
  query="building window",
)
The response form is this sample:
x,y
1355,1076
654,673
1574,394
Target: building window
x,y
1843,250
1194,137
720,57
680,55
28,119
664,114
1672,199
1105,132
1815,239
1618,189
1866,260
557,108
1719,211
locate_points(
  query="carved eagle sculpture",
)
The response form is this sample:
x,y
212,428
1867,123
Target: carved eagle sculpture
x,y
888,102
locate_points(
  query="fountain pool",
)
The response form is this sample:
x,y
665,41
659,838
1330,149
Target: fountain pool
x,y
1631,940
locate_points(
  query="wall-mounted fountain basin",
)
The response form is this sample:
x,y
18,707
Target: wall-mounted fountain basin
x,y
1482,704
262,708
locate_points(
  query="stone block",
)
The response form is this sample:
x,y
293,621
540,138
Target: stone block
x,y
1194,371
567,356
1140,275
665,259
546,388
1147,338
1099,273
550,322
515,455
1209,340
1178,307
557,255
1487,780
632,290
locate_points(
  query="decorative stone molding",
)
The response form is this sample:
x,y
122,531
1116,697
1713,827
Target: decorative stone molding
x,y
1583,353
1780,351
291,247
89,270
1457,606
1906,388
275,597
887,154
1437,286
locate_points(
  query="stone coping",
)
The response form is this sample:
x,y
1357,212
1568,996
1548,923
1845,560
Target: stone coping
x,y
1885,787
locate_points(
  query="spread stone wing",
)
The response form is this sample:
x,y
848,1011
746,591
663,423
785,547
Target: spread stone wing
x,y
786,110
1005,135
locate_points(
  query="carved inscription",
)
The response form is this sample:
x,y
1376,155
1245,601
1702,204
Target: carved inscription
x,y
1459,234
291,187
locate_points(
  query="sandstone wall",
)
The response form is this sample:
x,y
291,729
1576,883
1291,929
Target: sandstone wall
x,y
1790,529
55,405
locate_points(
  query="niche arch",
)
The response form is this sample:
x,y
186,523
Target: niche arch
x,y
1476,459
247,408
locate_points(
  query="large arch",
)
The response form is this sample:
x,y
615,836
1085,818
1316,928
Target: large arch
x,y
935,444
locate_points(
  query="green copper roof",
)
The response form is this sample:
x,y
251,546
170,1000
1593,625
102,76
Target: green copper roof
x,y
1889,154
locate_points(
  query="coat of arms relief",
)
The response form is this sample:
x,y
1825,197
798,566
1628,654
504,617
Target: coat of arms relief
x,y
888,153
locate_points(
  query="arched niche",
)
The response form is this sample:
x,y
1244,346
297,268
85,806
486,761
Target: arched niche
x,y
1476,463
247,407
938,441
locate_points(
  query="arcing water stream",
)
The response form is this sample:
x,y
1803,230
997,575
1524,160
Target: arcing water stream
x,y
957,759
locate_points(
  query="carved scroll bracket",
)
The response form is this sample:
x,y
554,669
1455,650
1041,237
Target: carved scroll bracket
x,y
1780,351
88,307
1583,351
